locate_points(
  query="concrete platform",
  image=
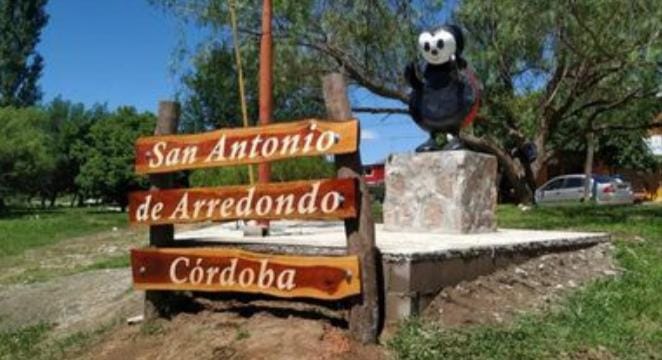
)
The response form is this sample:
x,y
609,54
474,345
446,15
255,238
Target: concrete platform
x,y
416,266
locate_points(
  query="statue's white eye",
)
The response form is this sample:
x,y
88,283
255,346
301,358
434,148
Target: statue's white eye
x,y
425,41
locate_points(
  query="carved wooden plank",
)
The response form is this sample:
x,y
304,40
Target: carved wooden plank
x,y
317,199
245,145
214,269
364,317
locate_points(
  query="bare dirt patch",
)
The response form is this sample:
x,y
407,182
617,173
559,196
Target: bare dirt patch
x,y
229,335
530,286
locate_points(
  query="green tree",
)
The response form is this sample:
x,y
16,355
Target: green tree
x,y
108,170
543,64
25,157
21,22
550,66
212,97
68,126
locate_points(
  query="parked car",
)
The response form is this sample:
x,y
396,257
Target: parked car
x,y
570,188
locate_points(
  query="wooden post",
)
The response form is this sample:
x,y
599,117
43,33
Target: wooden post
x,y
266,98
158,303
360,231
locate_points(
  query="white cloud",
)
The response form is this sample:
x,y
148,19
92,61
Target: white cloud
x,y
368,135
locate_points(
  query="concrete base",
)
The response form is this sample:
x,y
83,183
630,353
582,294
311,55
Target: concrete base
x,y
416,266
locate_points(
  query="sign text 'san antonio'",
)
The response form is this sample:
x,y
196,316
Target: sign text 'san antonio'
x,y
245,145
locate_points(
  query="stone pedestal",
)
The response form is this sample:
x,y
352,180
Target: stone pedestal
x,y
442,192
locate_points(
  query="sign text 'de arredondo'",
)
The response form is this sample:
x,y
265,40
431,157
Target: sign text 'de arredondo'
x,y
245,145
213,269
317,199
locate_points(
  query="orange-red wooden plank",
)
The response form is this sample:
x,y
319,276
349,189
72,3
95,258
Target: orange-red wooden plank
x,y
215,269
156,154
316,199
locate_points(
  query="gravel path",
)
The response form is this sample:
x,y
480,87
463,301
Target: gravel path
x,y
80,302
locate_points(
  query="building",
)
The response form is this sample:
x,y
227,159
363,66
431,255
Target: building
x,y
374,174
654,140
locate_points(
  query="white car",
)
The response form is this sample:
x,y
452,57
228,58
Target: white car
x,y
570,188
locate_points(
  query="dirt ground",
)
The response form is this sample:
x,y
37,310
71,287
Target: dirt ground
x,y
218,334
533,285
75,303
89,300
222,335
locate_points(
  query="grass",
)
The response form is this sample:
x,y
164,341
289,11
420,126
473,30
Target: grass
x,y
614,318
150,328
33,342
22,343
22,230
116,262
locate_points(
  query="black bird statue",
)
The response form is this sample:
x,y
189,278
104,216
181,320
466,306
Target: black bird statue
x,y
447,97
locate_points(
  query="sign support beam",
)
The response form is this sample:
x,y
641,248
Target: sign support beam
x,y
159,303
364,318
265,89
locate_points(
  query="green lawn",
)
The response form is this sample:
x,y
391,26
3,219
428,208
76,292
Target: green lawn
x,y
22,230
615,318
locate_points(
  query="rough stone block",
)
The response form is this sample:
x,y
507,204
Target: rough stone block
x,y
443,191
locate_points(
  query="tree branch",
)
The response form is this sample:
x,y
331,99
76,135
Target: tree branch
x,y
380,110
356,72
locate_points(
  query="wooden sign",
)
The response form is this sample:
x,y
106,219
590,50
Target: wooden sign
x,y
245,145
318,199
214,269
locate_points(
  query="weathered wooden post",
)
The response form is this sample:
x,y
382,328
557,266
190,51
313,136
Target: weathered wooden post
x,y
158,303
360,231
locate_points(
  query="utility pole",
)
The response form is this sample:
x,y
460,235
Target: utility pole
x,y
265,88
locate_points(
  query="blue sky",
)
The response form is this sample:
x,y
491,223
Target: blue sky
x,y
120,52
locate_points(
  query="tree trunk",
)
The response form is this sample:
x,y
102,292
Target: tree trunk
x,y
588,164
72,203
511,169
523,190
53,198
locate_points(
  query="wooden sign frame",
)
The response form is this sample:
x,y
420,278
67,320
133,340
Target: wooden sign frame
x,y
366,307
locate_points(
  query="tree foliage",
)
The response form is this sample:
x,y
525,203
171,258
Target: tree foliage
x,y
108,169
212,97
545,66
68,125
370,40
21,22
306,168
25,157
549,67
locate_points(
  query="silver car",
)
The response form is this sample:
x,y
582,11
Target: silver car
x,y
570,188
